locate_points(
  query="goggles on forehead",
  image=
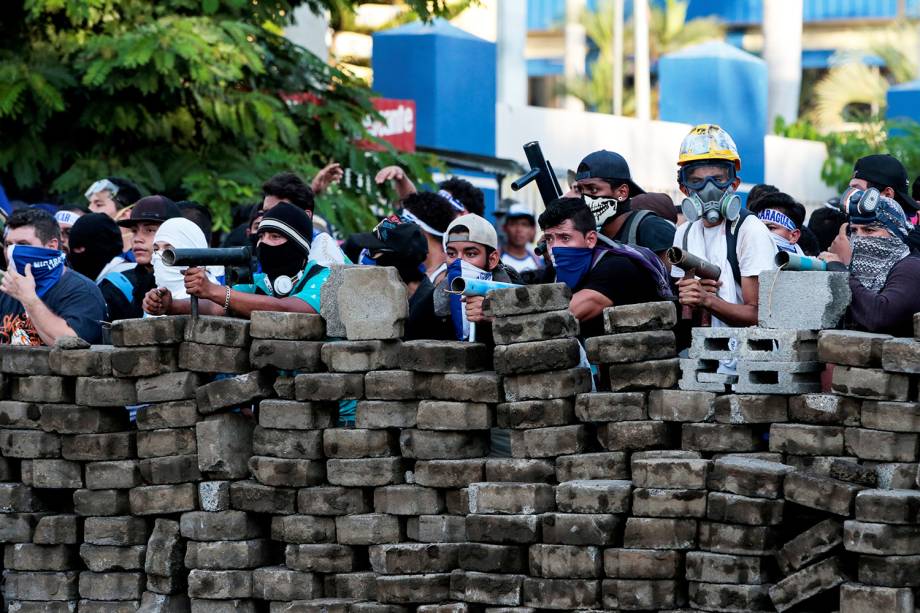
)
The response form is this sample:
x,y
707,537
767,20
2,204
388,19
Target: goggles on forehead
x,y
100,186
698,183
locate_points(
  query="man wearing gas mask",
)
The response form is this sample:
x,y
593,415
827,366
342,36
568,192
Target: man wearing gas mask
x,y
883,271
289,281
718,230
604,181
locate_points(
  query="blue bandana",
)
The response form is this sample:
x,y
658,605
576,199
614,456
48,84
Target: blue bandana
x,y
47,265
888,213
459,268
571,264
777,217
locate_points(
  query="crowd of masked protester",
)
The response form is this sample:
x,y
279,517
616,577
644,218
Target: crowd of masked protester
x,y
69,269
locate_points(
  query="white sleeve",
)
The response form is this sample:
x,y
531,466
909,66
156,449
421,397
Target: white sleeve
x,y
325,251
676,272
756,249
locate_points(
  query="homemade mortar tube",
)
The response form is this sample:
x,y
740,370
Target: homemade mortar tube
x,y
477,287
225,256
791,261
687,261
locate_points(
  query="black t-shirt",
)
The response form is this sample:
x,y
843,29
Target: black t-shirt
x,y
653,233
141,281
74,298
622,281
423,322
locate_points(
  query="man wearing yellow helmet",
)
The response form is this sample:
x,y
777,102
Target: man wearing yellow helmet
x,y
718,230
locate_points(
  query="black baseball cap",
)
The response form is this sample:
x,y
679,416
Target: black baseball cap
x,y
397,236
151,209
610,166
885,170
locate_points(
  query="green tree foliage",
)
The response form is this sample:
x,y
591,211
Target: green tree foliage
x,y
669,30
182,96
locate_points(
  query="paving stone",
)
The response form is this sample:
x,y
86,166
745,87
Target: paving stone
x,y
537,356
164,499
467,387
148,331
801,439
166,442
432,445
855,598
56,530
806,583
287,472
611,465
737,539
868,383
240,390
396,385
118,474
408,500
603,407
669,503
365,472
674,473
504,529
527,299
729,597
434,356
511,498
659,533
851,348
19,498
142,361
361,356
634,435
525,470
681,405
890,571
164,603
278,583
750,409
639,317
901,355
487,588
443,415
286,355
881,539
227,555
733,508
224,444
47,586
218,526
173,414
26,415
57,474
105,392
719,438
101,502
118,531
381,318
854,473
200,357
808,546
633,594
560,593
329,386
107,558
651,374
25,360
18,527
631,347
535,413
565,561
542,386
534,327
286,326
880,445
594,496
894,416
220,584
170,469
707,567
368,529
93,361
303,529
409,589
27,556
747,477
378,414
72,419
486,558
642,563
93,447
257,498
820,493
436,529
413,558
43,388
888,506
824,410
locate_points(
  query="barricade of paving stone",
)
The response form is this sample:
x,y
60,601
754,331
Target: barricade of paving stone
x,y
639,500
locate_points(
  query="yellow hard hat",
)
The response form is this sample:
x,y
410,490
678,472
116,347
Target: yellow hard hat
x,y
708,141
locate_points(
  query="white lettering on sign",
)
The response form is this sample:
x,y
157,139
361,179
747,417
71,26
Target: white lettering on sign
x,y
400,120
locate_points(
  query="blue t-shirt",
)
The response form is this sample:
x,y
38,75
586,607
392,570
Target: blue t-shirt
x,y
308,290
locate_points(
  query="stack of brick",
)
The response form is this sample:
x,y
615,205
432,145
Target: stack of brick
x,y
767,361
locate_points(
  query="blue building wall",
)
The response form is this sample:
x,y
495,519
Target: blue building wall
x,y
904,101
451,76
717,83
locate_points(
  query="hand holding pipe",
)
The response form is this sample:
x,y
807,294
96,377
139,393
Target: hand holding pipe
x,y
791,261
687,261
227,256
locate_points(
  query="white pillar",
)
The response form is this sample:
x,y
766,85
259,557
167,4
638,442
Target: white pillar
x,y
617,60
576,48
782,50
511,43
642,78
311,31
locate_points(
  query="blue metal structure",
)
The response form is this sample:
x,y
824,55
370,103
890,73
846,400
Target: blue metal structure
x,y
451,76
904,101
718,83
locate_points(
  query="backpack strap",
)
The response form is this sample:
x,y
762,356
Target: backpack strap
x,y
632,226
120,281
731,243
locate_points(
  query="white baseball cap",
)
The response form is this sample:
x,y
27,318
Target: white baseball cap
x,y
471,228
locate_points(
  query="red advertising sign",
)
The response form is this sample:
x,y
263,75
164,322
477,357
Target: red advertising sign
x,y
398,124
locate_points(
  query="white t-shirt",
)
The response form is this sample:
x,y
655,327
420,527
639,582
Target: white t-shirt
x,y
528,262
756,252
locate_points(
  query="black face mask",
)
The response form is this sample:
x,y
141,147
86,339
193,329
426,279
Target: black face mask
x,y
285,260
89,263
